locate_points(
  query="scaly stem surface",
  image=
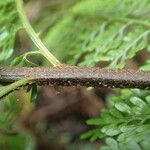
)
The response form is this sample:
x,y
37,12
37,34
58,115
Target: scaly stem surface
x,y
75,76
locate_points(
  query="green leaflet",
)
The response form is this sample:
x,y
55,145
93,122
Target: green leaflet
x,y
9,25
114,145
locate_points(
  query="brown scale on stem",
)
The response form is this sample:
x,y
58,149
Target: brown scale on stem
x,y
74,76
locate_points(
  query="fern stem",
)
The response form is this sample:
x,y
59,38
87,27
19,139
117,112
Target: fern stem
x,y
7,89
135,21
34,37
131,20
73,76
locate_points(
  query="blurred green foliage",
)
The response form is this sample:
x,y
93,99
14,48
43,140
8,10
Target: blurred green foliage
x,y
9,26
101,31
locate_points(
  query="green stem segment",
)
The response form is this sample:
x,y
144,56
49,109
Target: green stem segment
x,y
7,89
144,23
34,37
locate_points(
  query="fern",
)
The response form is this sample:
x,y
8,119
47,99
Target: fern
x,y
91,32
128,119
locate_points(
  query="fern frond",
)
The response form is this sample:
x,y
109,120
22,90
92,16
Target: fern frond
x,y
126,120
117,44
122,29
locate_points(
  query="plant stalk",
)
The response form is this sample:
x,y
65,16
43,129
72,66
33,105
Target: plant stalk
x,y
74,76
34,37
7,89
